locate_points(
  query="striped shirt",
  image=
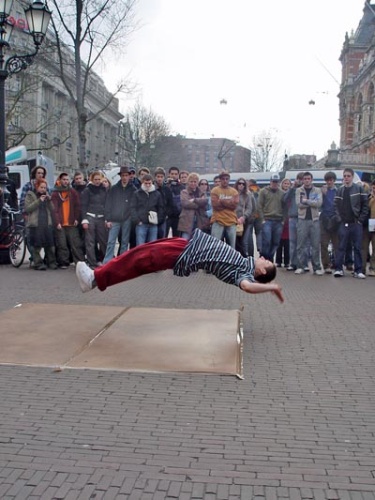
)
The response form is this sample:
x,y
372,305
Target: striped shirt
x,y
206,252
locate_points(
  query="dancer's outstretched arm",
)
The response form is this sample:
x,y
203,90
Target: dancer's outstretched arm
x,y
249,287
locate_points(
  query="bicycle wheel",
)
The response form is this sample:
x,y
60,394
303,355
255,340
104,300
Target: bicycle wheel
x,y
17,249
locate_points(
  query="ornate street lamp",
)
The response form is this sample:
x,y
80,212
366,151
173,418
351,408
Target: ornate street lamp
x,y
38,16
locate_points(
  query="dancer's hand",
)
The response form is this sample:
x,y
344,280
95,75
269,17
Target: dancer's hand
x,y
279,294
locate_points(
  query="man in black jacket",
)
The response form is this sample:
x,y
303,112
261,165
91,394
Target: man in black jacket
x,y
167,201
146,211
118,214
92,208
176,188
351,205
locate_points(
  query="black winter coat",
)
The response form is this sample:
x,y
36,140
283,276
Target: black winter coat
x,y
358,202
143,202
118,202
93,200
167,199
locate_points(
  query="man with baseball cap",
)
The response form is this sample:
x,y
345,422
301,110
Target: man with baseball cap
x,y
270,206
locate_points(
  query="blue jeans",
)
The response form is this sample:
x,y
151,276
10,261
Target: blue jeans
x,y
271,236
162,230
112,238
217,231
145,233
293,221
347,232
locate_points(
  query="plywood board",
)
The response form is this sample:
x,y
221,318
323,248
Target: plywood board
x,y
130,339
50,334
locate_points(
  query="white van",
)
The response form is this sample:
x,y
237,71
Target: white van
x,y
112,174
20,166
318,175
263,178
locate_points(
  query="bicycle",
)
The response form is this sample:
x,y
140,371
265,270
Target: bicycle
x,y
12,235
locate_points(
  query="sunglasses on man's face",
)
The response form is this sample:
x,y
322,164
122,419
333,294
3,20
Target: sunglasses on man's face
x,y
240,184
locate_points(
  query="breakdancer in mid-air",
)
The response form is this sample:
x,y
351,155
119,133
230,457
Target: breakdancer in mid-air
x,y
202,251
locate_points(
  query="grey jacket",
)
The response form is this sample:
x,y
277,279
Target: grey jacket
x,y
314,202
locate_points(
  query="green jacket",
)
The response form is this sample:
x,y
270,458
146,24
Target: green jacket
x,y
32,204
270,204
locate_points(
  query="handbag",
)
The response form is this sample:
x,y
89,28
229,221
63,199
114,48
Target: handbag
x,y
152,217
239,229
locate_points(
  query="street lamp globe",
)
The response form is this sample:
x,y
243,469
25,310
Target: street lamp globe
x,y
38,17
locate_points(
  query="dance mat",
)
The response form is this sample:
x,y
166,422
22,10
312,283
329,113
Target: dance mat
x,y
127,339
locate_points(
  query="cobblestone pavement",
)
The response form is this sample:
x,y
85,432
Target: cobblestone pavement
x,y
300,426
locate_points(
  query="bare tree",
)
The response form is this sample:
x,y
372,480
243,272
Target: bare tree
x,y
266,153
89,28
225,148
22,108
142,132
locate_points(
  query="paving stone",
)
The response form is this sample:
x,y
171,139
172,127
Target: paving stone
x,y
299,426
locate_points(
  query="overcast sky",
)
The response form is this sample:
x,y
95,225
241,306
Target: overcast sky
x,y
267,59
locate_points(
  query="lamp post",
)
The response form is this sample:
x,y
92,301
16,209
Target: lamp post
x,y
37,16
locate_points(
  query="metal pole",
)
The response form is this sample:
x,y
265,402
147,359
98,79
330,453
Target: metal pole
x,y
3,172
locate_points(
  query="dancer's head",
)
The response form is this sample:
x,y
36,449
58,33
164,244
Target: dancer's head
x,y
265,270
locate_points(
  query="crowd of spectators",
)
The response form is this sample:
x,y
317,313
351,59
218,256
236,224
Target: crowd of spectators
x,y
298,225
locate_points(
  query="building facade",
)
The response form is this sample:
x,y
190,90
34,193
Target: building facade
x,y
357,92
202,155
41,114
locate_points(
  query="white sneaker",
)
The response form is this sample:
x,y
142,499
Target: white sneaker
x,y
370,272
299,271
361,276
85,276
319,272
328,270
338,274
290,268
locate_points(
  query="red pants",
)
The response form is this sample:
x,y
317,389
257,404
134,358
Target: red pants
x,y
148,258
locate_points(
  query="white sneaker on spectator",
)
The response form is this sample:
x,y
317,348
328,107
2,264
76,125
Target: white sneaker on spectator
x,y
85,276
328,270
338,274
371,272
361,276
319,272
306,269
299,271
290,268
